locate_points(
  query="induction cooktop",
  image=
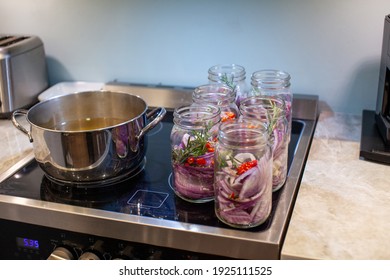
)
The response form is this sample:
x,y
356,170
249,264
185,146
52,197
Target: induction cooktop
x,y
143,209
148,192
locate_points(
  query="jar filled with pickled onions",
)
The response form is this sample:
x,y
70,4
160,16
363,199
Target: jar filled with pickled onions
x,y
272,112
243,174
193,138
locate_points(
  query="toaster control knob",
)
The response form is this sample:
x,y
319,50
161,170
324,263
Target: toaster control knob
x,y
61,253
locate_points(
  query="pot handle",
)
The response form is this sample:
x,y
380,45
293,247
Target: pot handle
x,y
18,125
157,115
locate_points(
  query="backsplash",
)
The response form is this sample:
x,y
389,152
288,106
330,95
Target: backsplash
x,y
330,48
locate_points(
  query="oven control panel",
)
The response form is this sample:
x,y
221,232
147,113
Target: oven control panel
x,y
31,242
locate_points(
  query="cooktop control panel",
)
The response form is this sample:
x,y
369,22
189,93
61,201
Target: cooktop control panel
x,y
32,242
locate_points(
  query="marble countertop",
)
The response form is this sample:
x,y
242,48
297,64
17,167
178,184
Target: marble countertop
x,y
342,210
14,145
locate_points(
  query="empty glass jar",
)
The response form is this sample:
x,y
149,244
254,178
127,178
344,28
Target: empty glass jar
x,y
231,75
243,174
271,111
193,139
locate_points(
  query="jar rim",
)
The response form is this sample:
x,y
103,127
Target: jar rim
x,y
246,132
214,93
196,116
233,72
256,103
270,79
271,74
226,68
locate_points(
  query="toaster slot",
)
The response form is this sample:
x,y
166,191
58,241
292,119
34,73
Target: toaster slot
x,y
2,38
10,40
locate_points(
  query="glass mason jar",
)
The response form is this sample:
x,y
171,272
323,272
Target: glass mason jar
x,y
220,96
243,173
231,75
271,111
193,139
274,83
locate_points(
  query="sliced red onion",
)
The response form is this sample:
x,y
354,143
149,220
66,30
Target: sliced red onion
x,y
185,139
236,217
246,199
280,156
194,182
251,185
243,157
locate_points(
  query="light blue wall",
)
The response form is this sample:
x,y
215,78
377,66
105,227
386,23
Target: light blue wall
x,y
331,48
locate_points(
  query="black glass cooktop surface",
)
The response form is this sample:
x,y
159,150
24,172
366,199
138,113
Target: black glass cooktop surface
x,y
147,193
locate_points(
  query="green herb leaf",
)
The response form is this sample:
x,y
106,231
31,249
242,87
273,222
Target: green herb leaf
x,y
225,80
195,146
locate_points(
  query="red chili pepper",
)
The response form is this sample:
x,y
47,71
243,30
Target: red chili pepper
x,y
209,147
190,160
228,116
231,115
200,161
246,166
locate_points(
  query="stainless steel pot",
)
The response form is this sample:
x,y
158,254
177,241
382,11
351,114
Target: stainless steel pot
x,y
90,138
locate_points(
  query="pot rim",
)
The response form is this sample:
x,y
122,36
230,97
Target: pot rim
x,y
54,99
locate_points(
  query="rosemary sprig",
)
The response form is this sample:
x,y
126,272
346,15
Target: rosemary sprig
x,y
195,146
224,158
256,91
225,80
273,116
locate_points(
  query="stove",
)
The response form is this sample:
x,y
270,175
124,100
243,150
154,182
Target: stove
x,y
141,217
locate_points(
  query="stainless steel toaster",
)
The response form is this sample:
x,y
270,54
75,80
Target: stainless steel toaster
x,y
23,72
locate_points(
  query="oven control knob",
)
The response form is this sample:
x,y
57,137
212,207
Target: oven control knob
x,y
61,253
125,254
94,252
89,256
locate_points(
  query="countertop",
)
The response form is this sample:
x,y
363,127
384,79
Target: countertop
x,y
343,205
342,210
14,145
